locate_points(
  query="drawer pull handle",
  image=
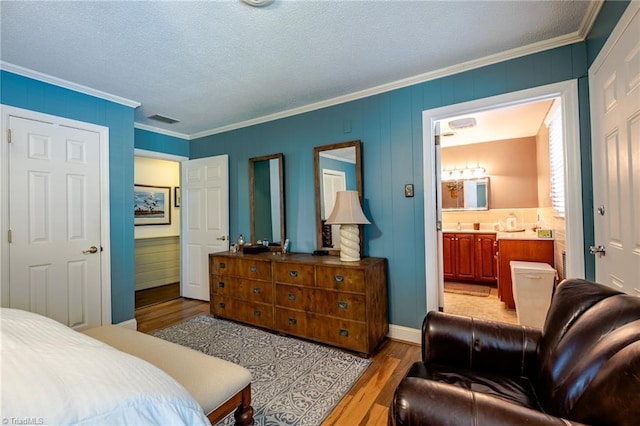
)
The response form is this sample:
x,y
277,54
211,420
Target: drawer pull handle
x,y
222,265
293,321
253,269
291,296
221,284
256,290
339,278
294,274
343,305
257,313
344,333
222,305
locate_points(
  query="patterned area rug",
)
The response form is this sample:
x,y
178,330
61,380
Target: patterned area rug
x,y
468,289
294,382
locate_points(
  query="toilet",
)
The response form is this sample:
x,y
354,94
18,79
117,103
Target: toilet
x,y
532,289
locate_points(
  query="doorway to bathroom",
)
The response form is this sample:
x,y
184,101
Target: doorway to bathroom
x,y
466,256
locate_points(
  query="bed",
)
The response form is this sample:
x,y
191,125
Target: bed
x,y
51,374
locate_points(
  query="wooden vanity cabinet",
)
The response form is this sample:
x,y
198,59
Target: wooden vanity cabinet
x,y
485,258
469,256
319,298
458,256
523,250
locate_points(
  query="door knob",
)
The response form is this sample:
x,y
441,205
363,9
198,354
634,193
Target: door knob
x,y
597,250
223,238
92,249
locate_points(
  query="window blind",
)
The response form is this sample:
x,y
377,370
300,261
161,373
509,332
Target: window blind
x,y
556,157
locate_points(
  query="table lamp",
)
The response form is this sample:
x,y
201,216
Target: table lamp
x,y
348,214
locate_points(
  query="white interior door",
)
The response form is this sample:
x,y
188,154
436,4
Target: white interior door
x,y
205,220
332,182
614,81
54,221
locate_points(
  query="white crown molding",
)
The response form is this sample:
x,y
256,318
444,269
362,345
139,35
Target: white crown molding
x,y
161,131
421,78
590,18
25,72
556,42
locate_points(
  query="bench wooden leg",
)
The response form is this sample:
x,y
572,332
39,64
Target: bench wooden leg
x,y
243,414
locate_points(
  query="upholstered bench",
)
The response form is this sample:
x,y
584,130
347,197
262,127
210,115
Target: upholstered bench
x,y
219,386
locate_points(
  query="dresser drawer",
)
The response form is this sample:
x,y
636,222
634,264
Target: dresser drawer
x,y
342,279
344,333
240,288
244,268
294,273
343,305
260,314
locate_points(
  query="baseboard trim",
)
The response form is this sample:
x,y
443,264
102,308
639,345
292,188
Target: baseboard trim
x,y
405,334
131,324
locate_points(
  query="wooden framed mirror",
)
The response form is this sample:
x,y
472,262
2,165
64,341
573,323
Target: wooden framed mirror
x,y
266,199
465,194
337,167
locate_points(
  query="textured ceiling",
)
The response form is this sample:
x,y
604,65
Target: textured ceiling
x,y
214,65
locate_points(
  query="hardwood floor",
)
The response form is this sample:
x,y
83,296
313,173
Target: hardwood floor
x,y
366,403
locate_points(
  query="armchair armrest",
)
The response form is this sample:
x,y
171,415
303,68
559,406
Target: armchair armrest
x,y
420,402
478,344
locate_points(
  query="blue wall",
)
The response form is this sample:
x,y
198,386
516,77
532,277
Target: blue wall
x,y
158,142
390,128
34,95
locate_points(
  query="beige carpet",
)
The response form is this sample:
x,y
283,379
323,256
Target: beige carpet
x,y
468,289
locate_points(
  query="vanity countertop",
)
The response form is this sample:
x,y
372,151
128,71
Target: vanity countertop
x,y
522,235
470,231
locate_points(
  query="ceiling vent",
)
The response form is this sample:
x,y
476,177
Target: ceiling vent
x,y
258,3
163,119
462,123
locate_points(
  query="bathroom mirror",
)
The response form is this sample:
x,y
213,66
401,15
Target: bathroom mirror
x,y
266,199
337,168
465,194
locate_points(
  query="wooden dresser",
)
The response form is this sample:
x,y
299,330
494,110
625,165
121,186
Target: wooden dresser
x,y
320,298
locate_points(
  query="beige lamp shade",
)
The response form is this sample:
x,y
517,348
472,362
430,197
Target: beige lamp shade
x,y
348,214
347,210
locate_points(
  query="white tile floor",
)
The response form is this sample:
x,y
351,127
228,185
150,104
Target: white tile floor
x,y
488,307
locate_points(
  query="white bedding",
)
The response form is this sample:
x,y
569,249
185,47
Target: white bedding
x,y
51,374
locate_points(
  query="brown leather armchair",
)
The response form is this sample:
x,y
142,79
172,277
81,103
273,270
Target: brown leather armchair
x,y
583,367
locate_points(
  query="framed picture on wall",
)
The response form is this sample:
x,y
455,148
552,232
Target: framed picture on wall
x,y
152,205
176,196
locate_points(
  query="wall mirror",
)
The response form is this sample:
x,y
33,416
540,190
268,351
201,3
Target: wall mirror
x,y
266,199
337,167
465,194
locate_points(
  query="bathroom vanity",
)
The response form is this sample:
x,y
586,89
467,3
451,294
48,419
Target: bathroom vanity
x,y
469,256
523,246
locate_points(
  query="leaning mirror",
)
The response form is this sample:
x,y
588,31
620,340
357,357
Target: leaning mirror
x,y
266,199
465,194
337,168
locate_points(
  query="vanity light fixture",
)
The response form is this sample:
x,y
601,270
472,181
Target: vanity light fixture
x,y
466,173
348,213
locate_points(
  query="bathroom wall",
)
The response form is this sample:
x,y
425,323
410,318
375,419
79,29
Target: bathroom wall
x,y
510,165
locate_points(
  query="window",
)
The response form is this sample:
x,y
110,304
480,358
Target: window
x,y
556,157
